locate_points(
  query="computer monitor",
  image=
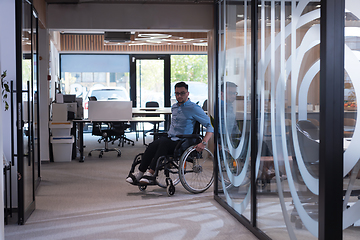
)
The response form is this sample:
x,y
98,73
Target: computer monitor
x,y
69,98
92,98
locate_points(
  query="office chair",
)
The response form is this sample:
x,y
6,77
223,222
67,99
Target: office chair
x,y
314,121
119,133
150,104
308,138
107,135
204,107
349,122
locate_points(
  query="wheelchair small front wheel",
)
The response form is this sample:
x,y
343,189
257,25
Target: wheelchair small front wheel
x,y
142,187
166,166
196,170
170,190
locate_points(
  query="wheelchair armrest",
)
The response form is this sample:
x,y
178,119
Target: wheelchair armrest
x,y
188,136
159,134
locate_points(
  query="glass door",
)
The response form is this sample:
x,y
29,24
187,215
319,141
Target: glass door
x,y
26,110
35,97
150,80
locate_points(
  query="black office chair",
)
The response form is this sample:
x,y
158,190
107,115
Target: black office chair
x,y
119,129
150,104
308,139
204,107
107,134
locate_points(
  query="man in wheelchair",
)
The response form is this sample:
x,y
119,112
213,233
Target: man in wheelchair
x,y
184,116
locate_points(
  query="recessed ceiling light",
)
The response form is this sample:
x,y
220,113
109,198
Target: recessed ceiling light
x,y
135,44
178,40
154,35
153,41
200,44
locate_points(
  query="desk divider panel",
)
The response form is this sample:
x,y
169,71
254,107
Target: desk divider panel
x,y
110,110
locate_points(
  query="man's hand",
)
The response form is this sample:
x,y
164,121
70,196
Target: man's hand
x,y
199,147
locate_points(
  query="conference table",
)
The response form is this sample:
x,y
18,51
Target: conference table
x,y
79,125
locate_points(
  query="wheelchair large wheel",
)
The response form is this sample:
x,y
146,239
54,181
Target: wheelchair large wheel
x,y
165,165
235,168
196,170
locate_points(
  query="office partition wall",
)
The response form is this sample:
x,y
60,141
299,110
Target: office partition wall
x,y
27,110
351,181
280,144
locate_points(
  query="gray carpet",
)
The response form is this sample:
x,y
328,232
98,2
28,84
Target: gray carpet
x,y
91,200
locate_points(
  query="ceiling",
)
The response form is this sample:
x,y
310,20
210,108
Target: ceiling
x,y
146,38
152,38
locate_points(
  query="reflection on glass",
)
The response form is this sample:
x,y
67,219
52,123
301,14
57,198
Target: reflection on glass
x,y
234,105
228,118
288,90
351,183
28,50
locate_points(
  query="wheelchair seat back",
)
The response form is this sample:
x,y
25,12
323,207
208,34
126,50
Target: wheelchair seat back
x,y
188,141
184,144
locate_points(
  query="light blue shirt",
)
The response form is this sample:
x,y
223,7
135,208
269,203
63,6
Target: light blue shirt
x,y
184,117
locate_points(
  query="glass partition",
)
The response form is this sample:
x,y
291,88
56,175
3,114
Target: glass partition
x,y
287,115
27,155
288,83
351,183
234,105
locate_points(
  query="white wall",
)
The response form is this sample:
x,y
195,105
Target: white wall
x,y
54,69
44,94
7,62
177,17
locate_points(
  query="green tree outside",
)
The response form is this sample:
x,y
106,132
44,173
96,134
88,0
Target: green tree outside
x,y
189,68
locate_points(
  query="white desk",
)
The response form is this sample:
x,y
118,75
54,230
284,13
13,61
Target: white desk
x,y
150,111
79,124
110,111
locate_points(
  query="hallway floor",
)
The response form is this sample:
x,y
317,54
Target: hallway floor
x,y
91,200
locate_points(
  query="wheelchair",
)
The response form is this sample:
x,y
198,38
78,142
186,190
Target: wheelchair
x,y
192,168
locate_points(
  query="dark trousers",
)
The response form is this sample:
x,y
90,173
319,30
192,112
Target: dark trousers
x,y
160,147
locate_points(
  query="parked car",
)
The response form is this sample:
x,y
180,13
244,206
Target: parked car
x,y
106,94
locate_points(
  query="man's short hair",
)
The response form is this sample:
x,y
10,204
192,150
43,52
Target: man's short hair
x,y
228,84
182,84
